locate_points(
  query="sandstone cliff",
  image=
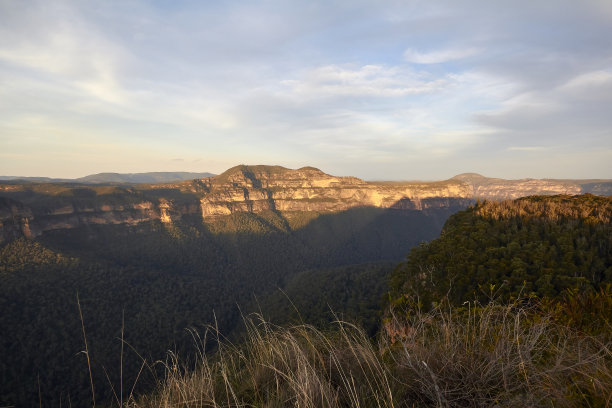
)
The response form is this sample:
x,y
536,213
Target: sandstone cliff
x,y
500,189
14,219
30,209
259,188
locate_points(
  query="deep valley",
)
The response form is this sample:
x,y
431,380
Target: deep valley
x,y
147,263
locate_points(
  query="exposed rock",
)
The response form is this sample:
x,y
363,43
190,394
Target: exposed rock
x,y
14,220
259,188
597,187
30,209
500,189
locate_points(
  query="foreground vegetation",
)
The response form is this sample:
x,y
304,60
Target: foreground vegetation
x,y
518,354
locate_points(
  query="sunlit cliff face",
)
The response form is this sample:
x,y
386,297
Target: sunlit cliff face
x,y
261,188
29,210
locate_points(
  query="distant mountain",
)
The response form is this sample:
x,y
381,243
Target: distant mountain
x,y
128,178
21,179
475,186
296,195
141,178
488,188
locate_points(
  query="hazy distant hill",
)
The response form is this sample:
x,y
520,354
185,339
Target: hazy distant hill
x,y
476,186
34,179
490,188
152,177
135,178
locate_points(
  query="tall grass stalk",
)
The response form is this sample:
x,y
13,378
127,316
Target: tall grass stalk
x,y
91,382
479,356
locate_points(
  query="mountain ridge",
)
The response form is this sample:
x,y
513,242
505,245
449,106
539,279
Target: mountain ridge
x,y
38,207
109,177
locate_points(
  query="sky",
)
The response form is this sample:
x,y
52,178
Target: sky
x,y
382,90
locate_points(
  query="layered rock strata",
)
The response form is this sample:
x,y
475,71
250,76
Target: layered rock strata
x,y
31,209
257,189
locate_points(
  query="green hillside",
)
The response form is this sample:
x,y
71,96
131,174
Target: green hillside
x,y
534,246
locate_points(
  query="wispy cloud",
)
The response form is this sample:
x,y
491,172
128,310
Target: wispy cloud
x,y
526,148
368,80
414,89
60,47
438,56
568,114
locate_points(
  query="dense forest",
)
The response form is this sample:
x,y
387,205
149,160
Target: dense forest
x,y
534,246
157,281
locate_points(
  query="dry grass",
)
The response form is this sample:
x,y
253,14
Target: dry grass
x,y
500,356
483,356
280,367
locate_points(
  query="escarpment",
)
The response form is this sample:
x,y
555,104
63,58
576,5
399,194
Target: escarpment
x,y
499,189
33,208
260,188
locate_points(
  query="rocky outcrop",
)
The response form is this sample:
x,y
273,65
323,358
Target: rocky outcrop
x,y
30,209
597,187
70,217
486,188
14,220
260,188
66,207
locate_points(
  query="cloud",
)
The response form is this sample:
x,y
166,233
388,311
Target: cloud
x,y
593,86
367,80
439,56
62,47
407,83
527,148
570,114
